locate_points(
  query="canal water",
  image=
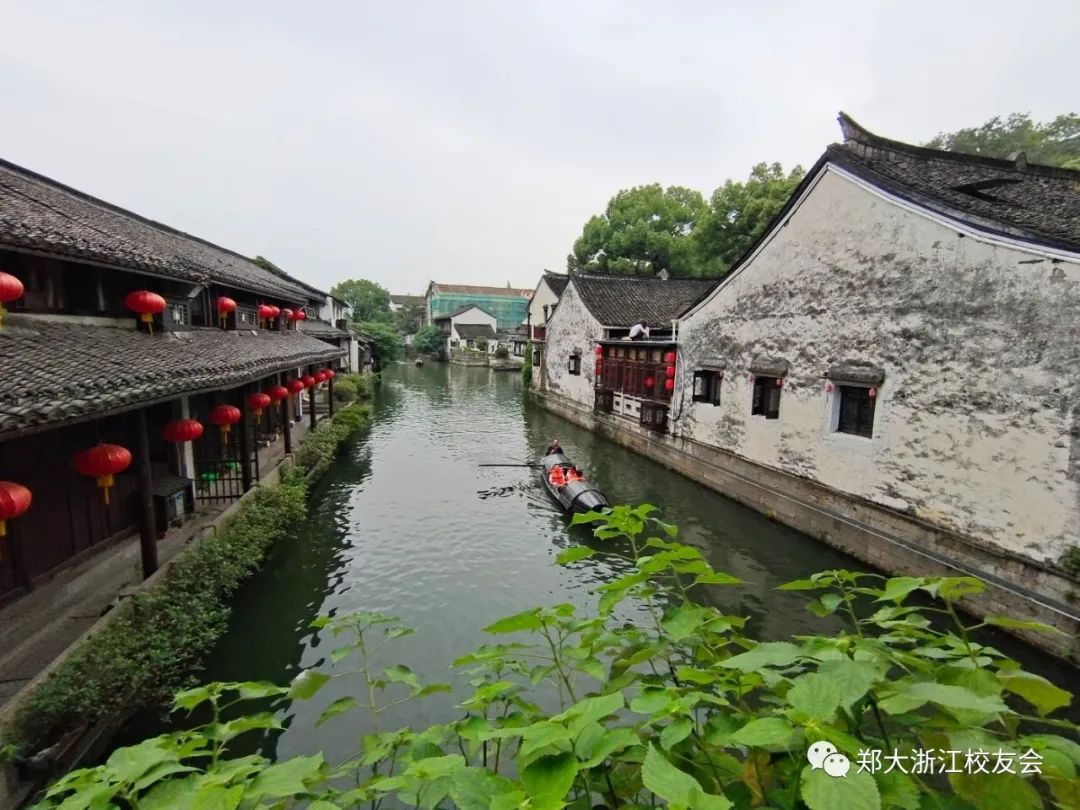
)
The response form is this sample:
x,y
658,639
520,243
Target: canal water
x,y
408,524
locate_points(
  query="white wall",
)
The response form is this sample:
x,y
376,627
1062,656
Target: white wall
x,y
571,328
977,425
543,296
473,315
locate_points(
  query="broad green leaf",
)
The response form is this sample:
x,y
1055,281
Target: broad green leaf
x,y
614,740
996,790
432,688
435,766
474,788
287,778
897,789
176,794
856,791
128,764
769,654
651,700
190,698
217,797
551,776
399,632
677,787
399,673
915,695
307,684
801,585
1039,692
765,731
1042,742
897,588
685,620
816,696
339,706
1020,624
675,732
250,690
159,772
590,710
1066,792
698,676
956,587
540,735
716,578
853,678
573,554
526,620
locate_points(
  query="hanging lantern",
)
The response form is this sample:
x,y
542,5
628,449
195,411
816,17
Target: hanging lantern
x,y
320,377
599,351
225,416
256,402
669,385
266,312
225,305
330,374
779,382
11,289
308,381
147,304
277,393
669,357
275,311
287,314
649,383
103,462
872,393
295,386
14,500
670,372
182,430
828,388
299,315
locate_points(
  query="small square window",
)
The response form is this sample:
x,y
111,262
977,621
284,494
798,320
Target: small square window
x,y
536,355
766,399
574,366
707,384
856,410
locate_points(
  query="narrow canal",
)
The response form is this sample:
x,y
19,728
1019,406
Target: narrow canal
x,y
408,524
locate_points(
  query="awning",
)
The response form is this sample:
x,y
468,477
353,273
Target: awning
x,y
856,372
765,366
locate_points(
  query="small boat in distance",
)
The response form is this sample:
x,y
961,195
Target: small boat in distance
x,y
568,486
419,361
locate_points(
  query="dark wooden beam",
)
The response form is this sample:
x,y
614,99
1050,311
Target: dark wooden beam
x,y
311,403
330,397
245,439
147,524
286,423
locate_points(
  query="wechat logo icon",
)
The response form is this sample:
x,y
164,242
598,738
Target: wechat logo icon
x,y
825,756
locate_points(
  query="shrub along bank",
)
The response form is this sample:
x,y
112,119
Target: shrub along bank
x,y
160,636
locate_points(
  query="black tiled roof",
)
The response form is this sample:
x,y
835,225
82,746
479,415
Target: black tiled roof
x,y
39,214
321,329
556,281
625,300
55,371
472,331
1029,201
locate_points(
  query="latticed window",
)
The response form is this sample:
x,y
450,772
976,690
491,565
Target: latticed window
x,y
574,365
856,410
707,383
766,399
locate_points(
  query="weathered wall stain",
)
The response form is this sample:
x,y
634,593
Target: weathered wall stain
x,y
977,425
572,328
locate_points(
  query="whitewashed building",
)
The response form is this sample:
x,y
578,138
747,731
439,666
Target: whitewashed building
x,y
545,298
466,326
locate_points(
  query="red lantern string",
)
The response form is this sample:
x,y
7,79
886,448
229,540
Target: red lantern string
x,y
103,462
277,393
11,289
15,499
182,430
669,385
225,416
147,304
257,401
872,393
225,305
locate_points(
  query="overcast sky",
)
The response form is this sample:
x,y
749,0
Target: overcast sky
x,y
469,142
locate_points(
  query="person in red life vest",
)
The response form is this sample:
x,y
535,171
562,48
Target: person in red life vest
x,y
558,477
574,474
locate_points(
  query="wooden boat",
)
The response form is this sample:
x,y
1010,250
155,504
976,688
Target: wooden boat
x,y
574,496
419,361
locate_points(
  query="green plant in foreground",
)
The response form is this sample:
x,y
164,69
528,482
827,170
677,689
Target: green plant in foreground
x,y
527,368
680,708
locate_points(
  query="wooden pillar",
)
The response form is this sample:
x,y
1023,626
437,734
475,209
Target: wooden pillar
x,y
311,405
286,422
13,547
245,440
147,524
330,397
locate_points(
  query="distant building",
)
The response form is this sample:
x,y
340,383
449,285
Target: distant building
x,y
400,302
466,325
509,305
542,305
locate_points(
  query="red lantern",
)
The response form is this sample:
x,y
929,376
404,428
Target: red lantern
x,y
11,289
256,402
669,385
308,381
299,315
182,430
320,377
103,462
275,311
225,416
599,351
828,388
146,303
225,305
669,357
266,312
670,372
14,500
872,393
288,313
295,386
779,382
330,374
649,383
277,393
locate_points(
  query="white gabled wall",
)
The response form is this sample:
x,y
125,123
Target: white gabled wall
x,y
473,315
572,328
544,296
977,425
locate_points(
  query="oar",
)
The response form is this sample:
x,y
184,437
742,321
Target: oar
x,y
509,465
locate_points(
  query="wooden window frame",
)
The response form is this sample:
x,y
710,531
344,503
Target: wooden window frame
x,y
864,406
765,396
706,386
573,365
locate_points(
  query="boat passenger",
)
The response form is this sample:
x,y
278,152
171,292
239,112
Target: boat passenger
x,y
558,477
553,448
574,474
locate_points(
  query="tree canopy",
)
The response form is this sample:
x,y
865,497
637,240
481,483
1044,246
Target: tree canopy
x,y
370,301
429,340
386,343
1054,143
647,229
644,230
740,212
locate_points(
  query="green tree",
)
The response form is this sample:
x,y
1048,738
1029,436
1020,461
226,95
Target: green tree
x,y
409,317
369,301
1054,143
429,340
739,213
386,343
644,230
